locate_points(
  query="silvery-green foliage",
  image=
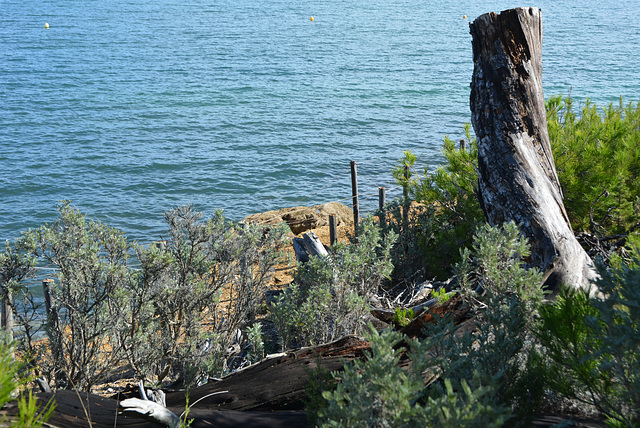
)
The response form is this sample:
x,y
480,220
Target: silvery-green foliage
x,y
329,295
160,312
177,310
377,392
17,266
495,266
92,266
505,312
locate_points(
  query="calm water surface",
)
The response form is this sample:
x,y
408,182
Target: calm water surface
x,y
129,108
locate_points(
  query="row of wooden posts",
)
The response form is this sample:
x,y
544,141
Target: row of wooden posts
x,y
333,231
6,320
381,199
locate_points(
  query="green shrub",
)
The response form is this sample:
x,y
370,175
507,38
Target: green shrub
x,y
12,379
329,295
452,210
377,392
593,344
506,309
486,374
156,307
92,266
179,325
402,317
597,156
15,267
407,256
495,266
256,341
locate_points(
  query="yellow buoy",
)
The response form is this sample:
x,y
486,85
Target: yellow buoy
x,y
46,25
464,16
311,19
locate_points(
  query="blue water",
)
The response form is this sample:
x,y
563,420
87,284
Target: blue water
x,y
129,108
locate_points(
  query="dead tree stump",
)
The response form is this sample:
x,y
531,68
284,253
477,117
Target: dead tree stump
x,y
517,175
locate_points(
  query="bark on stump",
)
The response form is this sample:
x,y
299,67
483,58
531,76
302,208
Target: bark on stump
x,y
517,175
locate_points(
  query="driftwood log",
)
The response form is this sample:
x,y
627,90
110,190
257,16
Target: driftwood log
x,y
307,246
274,384
149,410
517,175
267,394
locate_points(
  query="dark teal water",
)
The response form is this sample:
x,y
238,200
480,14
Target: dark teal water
x,y
132,107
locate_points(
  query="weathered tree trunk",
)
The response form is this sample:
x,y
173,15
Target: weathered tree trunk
x,y
518,179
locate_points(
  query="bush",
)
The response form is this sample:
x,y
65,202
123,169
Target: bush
x,y
407,256
160,310
376,392
495,266
506,309
452,210
92,263
485,373
330,295
11,380
179,323
593,344
597,157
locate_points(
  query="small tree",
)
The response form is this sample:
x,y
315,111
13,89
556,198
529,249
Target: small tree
x,y
92,265
452,211
597,155
179,323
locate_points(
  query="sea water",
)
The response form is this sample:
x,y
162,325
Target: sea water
x,y
130,108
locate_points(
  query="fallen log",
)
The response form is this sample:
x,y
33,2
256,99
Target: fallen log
x,y
273,384
266,394
150,411
80,410
517,175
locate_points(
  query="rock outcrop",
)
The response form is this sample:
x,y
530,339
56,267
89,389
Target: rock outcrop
x,y
304,219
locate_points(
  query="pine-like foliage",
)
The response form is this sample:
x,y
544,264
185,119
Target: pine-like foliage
x,y
593,343
12,380
597,156
452,211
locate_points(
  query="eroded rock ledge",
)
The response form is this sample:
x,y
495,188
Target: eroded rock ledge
x,y
303,219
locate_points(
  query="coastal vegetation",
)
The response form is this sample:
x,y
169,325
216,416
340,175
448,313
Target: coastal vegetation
x,y
192,306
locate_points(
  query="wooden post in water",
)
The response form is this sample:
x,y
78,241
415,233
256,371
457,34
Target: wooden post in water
x,y
354,194
6,321
517,175
382,196
48,303
333,230
53,322
406,204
